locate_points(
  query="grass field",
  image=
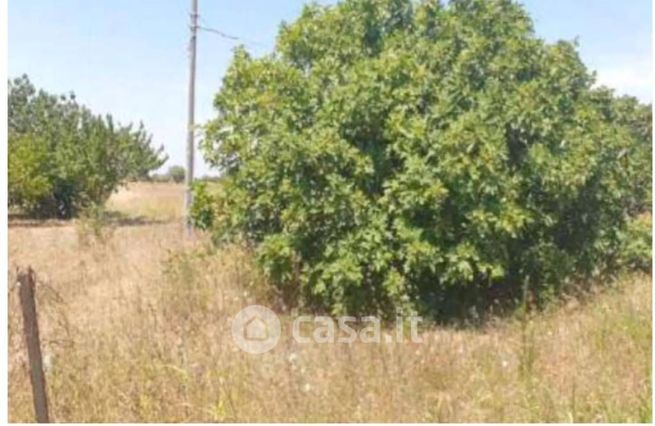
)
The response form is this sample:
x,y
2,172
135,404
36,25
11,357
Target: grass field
x,y
135,328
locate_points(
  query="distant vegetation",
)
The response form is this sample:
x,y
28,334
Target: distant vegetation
x,y
63,158
174,174
401,156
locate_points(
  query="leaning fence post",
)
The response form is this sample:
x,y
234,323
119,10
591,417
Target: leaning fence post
x,y
31,328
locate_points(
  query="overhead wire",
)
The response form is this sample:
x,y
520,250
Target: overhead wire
x,y
205,27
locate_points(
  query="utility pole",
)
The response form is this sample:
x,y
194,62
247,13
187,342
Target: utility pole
x,y
191,116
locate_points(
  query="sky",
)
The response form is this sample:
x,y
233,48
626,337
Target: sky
x,y
130,57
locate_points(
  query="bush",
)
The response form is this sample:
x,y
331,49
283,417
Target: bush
x,y
636,252
419,157
28,172
202,210
176,174
63,159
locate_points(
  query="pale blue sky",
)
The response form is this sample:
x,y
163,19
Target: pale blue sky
x,y
129,57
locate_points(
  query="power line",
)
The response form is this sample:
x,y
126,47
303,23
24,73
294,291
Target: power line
x,y
220,33
225,35
190,145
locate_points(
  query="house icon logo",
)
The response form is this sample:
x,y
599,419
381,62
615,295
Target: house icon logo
x,y
255,329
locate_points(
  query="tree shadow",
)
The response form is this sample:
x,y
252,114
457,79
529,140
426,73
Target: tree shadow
x,y
110,218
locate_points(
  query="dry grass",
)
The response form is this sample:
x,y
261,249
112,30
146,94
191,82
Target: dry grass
x,y
136,328
149,200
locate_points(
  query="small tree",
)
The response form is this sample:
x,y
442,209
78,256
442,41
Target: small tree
x,y
63,158
392,155
176,174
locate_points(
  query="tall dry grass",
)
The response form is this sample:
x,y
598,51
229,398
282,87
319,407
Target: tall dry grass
x,y
136,328
149,200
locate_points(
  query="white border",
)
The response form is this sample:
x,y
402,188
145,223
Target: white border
x,y
652,300
3,205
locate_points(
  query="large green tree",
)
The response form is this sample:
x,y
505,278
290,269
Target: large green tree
x,y
393,155
63,158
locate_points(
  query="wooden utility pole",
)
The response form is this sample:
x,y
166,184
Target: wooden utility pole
x,y
31,327
188,197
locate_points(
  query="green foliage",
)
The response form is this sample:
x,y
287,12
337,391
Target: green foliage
x,y
176,174
636,251
202,210
28,171
62,158
392,155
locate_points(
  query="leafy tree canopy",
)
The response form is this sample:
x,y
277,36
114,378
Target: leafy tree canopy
x,y
393,155
63,158
176,174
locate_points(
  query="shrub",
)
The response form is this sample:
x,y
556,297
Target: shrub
x,y
176,174
202,210
28,172
636,252
63,159
391,156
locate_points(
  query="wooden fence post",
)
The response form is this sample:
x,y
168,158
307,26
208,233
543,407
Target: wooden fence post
x,y
31,328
